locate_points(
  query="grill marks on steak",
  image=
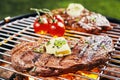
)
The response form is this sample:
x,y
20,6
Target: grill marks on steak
x,y
44,64
88,21
23,55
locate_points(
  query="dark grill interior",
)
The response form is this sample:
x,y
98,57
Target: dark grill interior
x,y
21,30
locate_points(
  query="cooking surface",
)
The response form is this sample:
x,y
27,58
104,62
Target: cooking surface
x,y
21,30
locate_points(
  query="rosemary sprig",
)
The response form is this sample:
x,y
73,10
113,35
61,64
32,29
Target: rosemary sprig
x,y
44,10
37,10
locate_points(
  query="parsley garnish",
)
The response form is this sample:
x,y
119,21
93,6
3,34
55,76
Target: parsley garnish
x,y
59,43
48,43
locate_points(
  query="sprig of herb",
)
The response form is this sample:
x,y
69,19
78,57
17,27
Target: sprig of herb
x,y
39,49
44,10
86,42
48,43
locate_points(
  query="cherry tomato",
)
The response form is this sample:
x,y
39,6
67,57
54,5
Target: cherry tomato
x,y
40,27
54,26
56,29
59,18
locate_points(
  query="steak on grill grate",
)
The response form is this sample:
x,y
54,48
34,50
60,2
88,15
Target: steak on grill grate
x,y
89,22
86,54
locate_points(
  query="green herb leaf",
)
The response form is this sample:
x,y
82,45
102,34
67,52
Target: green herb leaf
x,y
48,43
39,49
103,46
34,68
59,43
86,42
93,19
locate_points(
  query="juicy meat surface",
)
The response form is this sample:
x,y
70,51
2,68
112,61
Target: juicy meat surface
x,y
88,21
86,54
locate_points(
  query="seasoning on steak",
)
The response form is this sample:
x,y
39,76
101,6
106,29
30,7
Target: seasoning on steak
x,y
86,54
89,22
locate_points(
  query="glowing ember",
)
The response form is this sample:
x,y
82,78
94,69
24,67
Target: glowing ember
x,y
72,76
90,75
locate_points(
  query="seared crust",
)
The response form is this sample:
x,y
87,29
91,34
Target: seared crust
x,y
83,57
88,22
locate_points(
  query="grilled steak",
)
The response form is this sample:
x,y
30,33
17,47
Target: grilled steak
x,y
86,54
88,21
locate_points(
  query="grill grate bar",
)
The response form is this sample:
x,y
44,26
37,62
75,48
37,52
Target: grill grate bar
x,y
6,35
15,27
110,64
18,34
6,49
117,47
32,18
19,38
11,29
5,54
113,35
111,71
118,43
24,22
116,30
109,77
117,51
5,61
115,60
23,39
20,24
29,21
79,33
115,55
9,39
10,45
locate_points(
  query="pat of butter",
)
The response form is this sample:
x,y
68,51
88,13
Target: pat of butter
x,y
58,47
74,9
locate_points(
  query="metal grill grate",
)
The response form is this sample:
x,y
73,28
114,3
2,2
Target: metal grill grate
x,y
21,30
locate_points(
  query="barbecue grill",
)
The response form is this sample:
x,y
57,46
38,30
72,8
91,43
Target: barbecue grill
x,y
17,29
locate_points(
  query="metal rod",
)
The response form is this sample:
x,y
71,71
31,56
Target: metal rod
x,y
115,60
11,45
111,71
5,61
6,49
109,64
109,77
5,54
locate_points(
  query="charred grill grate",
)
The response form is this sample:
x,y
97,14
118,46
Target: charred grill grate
x,y
21,30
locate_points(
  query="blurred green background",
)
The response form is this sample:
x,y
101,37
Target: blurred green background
x,y
12,8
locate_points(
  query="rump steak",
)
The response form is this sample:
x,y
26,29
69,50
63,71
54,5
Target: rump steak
x,y
86,54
